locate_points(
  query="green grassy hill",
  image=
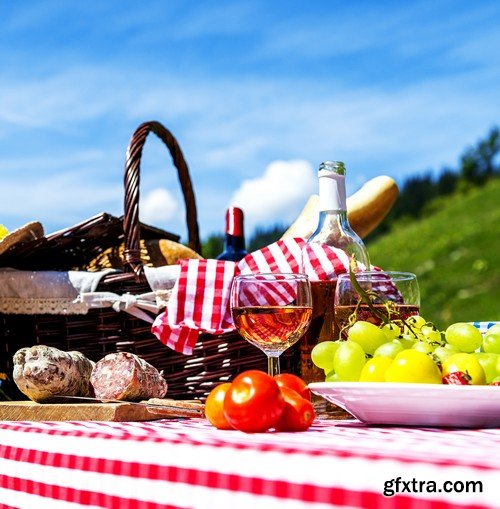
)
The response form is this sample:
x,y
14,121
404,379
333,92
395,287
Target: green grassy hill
x,y
455,252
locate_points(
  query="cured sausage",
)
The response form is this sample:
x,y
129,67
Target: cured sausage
x,y
41,372
127,377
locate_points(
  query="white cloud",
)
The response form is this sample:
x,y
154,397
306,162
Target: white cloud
x,y
278,195
158,206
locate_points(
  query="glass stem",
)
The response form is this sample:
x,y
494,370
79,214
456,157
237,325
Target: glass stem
x,y
273,366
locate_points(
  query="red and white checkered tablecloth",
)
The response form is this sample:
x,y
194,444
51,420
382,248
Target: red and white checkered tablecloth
x,y
189,464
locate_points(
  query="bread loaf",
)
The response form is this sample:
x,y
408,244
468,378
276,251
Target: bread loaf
x,y
369,205
365,209
153,253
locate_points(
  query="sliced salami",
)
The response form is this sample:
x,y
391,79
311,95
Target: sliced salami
x,y
127,377
41,372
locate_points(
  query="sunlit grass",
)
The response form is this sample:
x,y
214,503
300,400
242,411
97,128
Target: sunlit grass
x,y
455,253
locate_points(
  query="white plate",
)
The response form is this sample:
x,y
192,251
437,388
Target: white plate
x,y
470,406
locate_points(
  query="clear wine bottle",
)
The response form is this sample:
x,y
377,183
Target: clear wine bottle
x,y
333,230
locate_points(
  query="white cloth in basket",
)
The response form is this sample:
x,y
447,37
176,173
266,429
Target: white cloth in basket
x,y
74,292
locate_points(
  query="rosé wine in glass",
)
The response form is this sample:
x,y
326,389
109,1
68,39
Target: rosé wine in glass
x,y
271,311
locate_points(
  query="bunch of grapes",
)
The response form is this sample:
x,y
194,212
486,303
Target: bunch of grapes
x,y
414,352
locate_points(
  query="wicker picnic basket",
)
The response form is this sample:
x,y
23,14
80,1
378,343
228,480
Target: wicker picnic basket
x,y
215,358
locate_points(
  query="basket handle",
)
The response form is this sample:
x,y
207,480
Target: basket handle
x,y
131,225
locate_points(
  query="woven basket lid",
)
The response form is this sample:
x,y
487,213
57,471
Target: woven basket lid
x,y
26,233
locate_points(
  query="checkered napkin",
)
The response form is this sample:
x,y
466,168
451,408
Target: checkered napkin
x,y
200,298
281,292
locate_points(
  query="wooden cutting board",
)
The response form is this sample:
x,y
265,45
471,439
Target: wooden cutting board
x,y
119,412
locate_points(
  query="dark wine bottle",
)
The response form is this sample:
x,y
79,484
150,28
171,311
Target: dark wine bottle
x,y
234,242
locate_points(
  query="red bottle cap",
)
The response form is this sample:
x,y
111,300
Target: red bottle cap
x,y
234,221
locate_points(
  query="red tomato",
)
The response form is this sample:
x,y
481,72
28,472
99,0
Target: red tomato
x,y
295,383
214,407
254,402
298,414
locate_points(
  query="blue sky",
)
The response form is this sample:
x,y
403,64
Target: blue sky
x,y
258,93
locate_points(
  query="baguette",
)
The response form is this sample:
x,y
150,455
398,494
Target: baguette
x,y
365,208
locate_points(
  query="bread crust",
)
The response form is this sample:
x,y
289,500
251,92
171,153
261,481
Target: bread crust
x,y
366,208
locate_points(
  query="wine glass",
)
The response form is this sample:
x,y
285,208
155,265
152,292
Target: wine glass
x,y
375,296
271,311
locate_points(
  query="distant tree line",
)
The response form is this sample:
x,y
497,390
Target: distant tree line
x,y
477,165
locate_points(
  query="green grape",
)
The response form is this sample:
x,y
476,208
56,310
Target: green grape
x,y
389,349
491,341
349,361
464,336
407,341
374,369
412,366
441,353
416,321
489,362
495,329
431,334
423,346
367,335
391,331
323,353
466,363
498,367
332,377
